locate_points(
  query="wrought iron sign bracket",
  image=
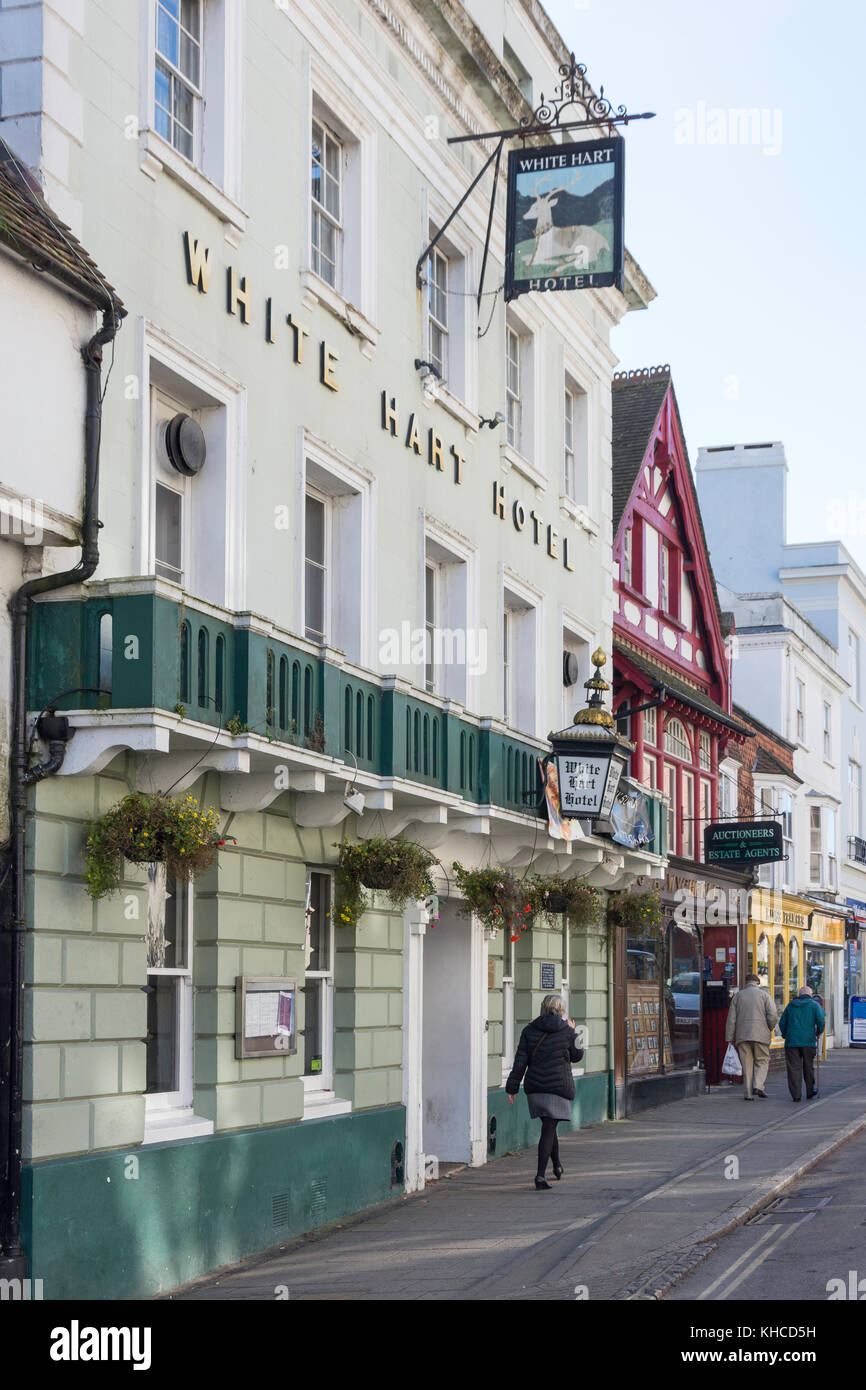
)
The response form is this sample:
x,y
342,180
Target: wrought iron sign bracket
x,y
573,90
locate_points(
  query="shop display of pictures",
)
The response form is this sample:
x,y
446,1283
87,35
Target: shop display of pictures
x,y
565,217
644,1028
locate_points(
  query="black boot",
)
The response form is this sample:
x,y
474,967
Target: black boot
x,y
541,1184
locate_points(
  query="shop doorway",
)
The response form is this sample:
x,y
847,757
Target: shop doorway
x,y
454,1051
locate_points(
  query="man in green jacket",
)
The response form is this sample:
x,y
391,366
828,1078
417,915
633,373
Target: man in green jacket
x,y
801,1025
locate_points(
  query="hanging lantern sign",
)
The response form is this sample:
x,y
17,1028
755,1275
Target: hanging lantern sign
x,y
564,227
590,755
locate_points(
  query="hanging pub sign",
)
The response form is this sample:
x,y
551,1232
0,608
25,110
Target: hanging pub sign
x,y
564,227
742,844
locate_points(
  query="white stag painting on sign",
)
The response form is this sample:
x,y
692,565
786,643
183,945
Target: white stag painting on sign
x,y
578,237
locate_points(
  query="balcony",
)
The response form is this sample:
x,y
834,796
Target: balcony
x,y
857,849
179,676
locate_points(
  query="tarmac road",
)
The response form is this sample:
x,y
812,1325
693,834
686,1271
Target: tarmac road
x,y
796,1247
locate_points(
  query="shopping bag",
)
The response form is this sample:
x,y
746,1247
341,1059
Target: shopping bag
x,y
732,1065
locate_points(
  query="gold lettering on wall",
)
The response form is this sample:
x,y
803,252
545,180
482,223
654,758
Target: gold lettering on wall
x,y
459,461
499,500
238,295
329,360
518,516
390,418
269,321
552,538
197,263
299,332
434,450
536,523
413,438
565,560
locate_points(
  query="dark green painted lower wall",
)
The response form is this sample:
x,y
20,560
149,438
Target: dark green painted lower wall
x,y
93,1233
515,1129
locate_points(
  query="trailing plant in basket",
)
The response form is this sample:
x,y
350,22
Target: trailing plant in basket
x,y
496,897
553,896
640,913
399,867
147,828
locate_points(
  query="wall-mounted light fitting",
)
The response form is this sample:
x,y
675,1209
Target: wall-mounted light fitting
x,y
498,419
428,368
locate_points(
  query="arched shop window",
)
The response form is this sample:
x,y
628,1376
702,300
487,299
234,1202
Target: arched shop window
x,y
763,967
779,972
677,740
793,967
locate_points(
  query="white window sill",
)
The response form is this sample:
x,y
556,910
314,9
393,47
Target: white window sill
x,y
510,458
578,514
453,404
163,1126
319,1104
157,156
318,291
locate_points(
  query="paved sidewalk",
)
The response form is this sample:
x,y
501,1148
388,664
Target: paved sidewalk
x,y
639,1205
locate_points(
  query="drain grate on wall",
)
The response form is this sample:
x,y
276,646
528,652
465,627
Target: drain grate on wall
x,y
280,1209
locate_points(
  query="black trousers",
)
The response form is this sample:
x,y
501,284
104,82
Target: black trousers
x,y
800,1062
548,1145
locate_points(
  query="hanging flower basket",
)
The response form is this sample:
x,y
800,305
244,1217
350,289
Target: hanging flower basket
x,y
145,828
574,898
397,867
640,913
496,897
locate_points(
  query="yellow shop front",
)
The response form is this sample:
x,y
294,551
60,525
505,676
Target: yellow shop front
x,y
774,946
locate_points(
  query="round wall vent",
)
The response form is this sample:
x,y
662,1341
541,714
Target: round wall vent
x,y
185,445
569,668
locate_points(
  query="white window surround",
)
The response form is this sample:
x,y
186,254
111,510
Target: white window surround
x,y
323,469
217,180
354,302
217,569
458,394
526,605
458,602
578,635
580,386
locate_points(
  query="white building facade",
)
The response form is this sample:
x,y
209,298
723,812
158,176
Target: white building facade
x,y
799,612
296,487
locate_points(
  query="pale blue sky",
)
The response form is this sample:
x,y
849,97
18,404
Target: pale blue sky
x,y
759,259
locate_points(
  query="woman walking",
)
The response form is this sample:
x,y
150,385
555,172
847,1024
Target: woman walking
x,y
546,1050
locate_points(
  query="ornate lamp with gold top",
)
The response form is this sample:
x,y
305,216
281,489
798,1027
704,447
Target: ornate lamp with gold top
x,y
590,755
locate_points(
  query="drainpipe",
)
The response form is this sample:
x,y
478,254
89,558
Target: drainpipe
x,y
13,1260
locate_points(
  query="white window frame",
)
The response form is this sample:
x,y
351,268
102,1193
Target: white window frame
x,y
854,797
828,733
521,705
688,813
672,741
350,617
800,709
354,299
438,272
627,557
523,449
705,751
170,1114
786,816
320,210
442,545
854,665
458,391
216,572
215,176
314,494
177,76
577,501
432,576
320,1098
828,855
575,633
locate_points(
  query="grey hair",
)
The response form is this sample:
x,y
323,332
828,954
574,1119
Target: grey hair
x,y
553,1004
805,991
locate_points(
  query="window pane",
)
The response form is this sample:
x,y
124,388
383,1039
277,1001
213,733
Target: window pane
x,y
313,998
162,93
190,59
169,512
166,30
162,1032
190,16
315,530
314,599
176,925
320,923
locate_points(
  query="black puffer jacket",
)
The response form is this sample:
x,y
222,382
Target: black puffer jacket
x,y
548,1068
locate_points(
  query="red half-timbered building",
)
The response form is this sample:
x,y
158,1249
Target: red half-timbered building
x,y
670,654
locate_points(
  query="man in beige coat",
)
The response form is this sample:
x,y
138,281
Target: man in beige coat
x,y
751,1020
